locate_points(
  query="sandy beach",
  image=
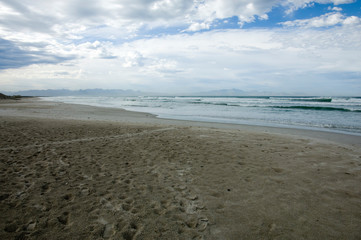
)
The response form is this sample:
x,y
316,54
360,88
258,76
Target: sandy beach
x,y
82,172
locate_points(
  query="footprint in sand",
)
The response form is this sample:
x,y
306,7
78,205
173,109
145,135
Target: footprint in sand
x,y
64,218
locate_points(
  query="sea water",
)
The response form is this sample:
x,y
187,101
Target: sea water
x,y
340,114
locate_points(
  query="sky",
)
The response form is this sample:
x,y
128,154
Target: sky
x,y
308,47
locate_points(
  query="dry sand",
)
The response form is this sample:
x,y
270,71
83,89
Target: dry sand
x,y
80,172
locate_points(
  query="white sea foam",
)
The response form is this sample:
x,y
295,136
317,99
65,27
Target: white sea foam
x,y
336,114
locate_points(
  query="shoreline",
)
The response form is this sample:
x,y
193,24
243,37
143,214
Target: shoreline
x,y
88,112
281,114
80,172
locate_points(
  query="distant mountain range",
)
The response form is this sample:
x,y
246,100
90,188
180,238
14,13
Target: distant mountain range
x,y
120,92
82,92
222,92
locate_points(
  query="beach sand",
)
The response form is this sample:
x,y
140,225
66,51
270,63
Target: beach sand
x,y
81,172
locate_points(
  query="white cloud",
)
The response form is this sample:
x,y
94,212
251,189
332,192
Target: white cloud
x,y
338,9
293,5
263,17
337,2
244,10
326,20
95,43
194,27
73,19
133,59
353,20
269,59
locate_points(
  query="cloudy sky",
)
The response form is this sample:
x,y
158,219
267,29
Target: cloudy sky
x,y
281,46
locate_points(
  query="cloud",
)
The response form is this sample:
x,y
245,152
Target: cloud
x,y
172,43
133,59
14,55
338,2
274,59
263,58
246,11
338,9
195,27
294,5
326,20
96,49
250,56
156,9
71,20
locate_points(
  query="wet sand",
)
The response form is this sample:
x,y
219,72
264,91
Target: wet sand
x,y
81,172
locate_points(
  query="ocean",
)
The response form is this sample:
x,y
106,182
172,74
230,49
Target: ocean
x,y
336,114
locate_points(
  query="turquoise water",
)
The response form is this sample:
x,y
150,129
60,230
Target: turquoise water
x,y
340,114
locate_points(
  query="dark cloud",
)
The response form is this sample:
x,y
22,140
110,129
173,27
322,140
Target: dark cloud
x,y
108,57
13,56
28,19
61,73
92,11
150,10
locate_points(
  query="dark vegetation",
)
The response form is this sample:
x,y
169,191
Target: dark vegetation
x,y
14,97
